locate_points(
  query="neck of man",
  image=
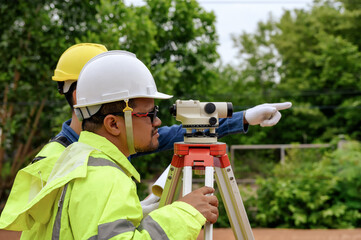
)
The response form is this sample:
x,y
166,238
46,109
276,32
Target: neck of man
x,y
75,124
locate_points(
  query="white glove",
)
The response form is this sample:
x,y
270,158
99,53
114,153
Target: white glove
x,y
266,114
152,201
149,204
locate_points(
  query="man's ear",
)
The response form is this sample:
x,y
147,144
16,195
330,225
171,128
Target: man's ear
x,y
112,124
74,97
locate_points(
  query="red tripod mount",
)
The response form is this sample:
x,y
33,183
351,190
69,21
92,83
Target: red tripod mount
x,y
199,156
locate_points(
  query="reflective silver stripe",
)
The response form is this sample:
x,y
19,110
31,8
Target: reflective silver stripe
x,y
99,162
91,162
57,223
109,230
154,229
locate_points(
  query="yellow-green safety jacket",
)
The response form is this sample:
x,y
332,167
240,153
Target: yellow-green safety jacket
x,y
90,194
29,182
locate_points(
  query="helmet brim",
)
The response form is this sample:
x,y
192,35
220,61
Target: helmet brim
x,y
159,95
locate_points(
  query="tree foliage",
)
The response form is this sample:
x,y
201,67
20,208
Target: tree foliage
x,y
310,57
175,39
318,194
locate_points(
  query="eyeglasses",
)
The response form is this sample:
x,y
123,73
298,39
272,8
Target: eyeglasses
x,y
152,114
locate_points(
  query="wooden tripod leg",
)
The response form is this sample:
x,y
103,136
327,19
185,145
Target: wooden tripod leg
x,y
171,186
233,203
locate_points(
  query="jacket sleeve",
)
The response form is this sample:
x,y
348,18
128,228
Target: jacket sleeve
x,y
179,220
105,205
232,125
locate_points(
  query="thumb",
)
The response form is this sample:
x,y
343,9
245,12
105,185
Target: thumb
x,y
206,190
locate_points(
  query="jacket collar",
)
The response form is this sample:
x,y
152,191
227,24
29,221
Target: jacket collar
x,y
109,149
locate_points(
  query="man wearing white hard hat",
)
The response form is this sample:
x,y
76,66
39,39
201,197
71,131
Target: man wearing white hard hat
x,y
91,193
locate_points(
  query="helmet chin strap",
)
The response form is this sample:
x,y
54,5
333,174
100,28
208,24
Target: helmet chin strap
x,y
129,127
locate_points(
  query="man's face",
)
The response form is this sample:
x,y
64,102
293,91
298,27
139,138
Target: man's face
x,y
145,132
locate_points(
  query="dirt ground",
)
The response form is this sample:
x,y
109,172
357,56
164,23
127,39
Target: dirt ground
x,y
290,234
259,234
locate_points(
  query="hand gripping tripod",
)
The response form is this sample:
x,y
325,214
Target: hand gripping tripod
x,y
210,158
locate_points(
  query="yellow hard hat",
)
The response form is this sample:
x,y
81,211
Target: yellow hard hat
x,y
73,60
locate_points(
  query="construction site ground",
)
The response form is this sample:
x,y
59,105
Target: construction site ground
x,y
260,234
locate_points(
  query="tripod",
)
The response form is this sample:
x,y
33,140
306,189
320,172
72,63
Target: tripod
x,y
210,158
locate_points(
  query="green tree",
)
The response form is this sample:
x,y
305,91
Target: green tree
x,y
310,58
174,38
27,52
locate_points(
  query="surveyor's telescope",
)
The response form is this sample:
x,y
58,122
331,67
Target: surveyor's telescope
x,y
200,119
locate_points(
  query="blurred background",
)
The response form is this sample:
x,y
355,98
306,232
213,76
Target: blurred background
x,y
309,55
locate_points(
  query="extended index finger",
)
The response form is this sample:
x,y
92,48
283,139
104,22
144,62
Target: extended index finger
x,y
281,106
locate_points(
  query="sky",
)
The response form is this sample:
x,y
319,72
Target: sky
x,y
236,16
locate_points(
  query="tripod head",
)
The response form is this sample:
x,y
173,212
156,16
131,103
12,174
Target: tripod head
x,y
200,119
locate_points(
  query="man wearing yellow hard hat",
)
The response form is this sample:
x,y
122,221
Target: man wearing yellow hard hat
x,y
33,178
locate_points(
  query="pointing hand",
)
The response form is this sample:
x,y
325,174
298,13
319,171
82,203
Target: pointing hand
x,y
266,114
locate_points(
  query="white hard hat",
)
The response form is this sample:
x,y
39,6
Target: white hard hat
x,y
110,77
